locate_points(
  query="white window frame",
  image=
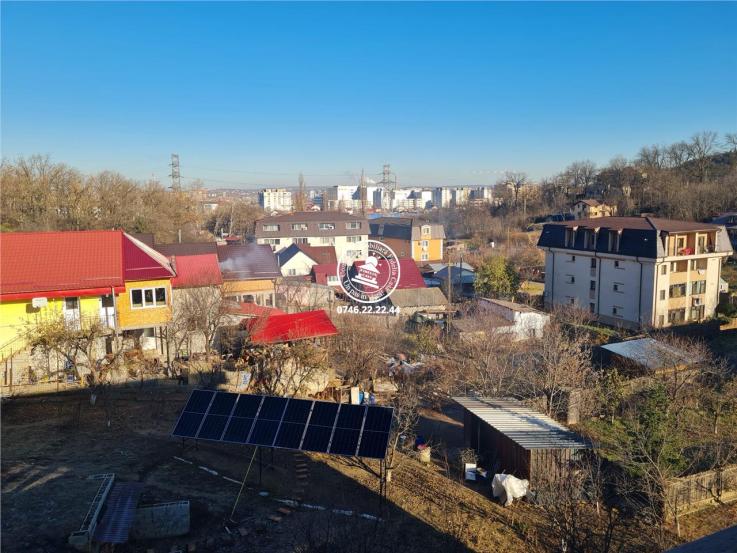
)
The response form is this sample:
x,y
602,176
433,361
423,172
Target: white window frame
x,y
424,257
353,239
271,228
326,226
570,279
353,225
300,226
426,229
143,297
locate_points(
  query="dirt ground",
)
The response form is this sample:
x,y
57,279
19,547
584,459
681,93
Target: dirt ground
x,y
51,445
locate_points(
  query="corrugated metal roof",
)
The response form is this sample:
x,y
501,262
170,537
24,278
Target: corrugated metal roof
x,y
120,510
650,353
418,297
51,261
142,262
196,270
275,329
524,426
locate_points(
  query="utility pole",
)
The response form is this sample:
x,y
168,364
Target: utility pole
x,y
176,179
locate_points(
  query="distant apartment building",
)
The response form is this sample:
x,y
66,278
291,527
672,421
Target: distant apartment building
x,y
342,198
481,195
441,197
460,196
635,271
591,209
410,237
347,233
275,199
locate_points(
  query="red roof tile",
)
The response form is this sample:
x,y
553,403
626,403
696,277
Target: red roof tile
x,y
277,329
34,262
196,270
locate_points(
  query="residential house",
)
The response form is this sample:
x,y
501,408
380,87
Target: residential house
x,y
729,220
635,271
461,277
348,234
196,290
86,277
250,272
298,259
409,274
592,209
410,237
412,300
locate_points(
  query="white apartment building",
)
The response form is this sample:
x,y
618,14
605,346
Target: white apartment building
x,y
347,233
460,196
441,197
635,272
275,199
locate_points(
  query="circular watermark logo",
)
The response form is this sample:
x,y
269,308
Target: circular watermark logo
x,y
373,279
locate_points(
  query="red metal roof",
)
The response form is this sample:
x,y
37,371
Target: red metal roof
x,y
36,262
196,270
142,262
277,329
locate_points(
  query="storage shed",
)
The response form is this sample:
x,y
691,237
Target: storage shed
x,y
514,439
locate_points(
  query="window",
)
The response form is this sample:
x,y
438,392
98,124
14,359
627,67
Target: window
x,y
676,315
614,239
570,279
271,228
292,272
148,297
426,229
571,259
662,295
299,241
677,290
678,266
697,313
299,226
664,269
333,279
355,254
424,257
571,301
619,287
698,264
590,239
425,243
617,310
326,226
698,287
592,285
352,239
618,264
570,238
272,241
593,263
352,225
592,308
327,240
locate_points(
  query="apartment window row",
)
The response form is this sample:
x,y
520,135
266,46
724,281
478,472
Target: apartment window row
x,y
680,290
353,239
143,298
272,241
351,225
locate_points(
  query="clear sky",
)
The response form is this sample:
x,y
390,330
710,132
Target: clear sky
x,y
250,94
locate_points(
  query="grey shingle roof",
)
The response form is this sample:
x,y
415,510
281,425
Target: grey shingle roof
x,y
247,262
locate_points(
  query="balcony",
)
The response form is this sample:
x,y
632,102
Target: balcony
x,y
593,271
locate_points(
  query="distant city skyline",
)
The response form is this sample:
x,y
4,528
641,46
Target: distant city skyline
x,y
454,94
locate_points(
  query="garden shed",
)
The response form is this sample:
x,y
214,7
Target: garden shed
x,y
511,438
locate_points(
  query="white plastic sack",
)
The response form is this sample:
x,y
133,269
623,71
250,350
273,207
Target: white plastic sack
x,y
508,488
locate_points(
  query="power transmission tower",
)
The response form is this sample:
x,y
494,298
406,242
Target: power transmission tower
x,y
299,204
388,179
176,179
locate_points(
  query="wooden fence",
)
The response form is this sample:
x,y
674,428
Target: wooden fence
x,y
700,490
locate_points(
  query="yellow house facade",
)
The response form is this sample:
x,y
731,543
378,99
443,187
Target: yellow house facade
x,y
421,240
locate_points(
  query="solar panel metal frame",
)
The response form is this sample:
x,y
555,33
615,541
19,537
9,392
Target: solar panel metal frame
x,y
361,431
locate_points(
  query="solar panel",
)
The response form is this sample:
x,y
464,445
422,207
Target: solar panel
x,y
290,423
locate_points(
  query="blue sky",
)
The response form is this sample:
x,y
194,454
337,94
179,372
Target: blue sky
x,y
250,94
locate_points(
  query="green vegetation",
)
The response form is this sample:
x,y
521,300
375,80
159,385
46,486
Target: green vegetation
x,y
497,278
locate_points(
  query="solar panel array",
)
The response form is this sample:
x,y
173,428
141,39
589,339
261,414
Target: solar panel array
x,y
288,423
